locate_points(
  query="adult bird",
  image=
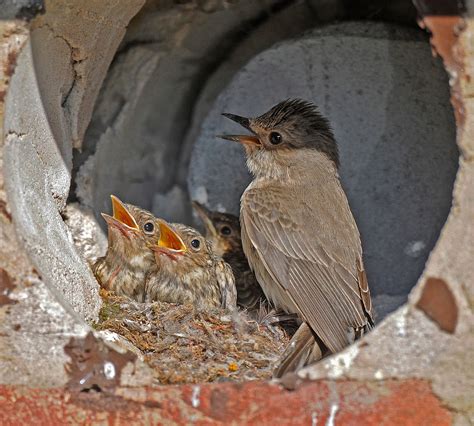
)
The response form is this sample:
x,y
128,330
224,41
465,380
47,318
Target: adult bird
x,y
298,232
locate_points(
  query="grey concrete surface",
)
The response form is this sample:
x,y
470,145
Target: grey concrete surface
x,y
388,101
36,93
22,9
37,170
140,138
42,232
47,108
122,159
33,335
89,238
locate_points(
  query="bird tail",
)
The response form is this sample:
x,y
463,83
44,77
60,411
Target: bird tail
x,y
303,349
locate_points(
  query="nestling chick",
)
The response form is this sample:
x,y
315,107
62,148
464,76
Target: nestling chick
x,y
298,232
223,231
188,271
128,260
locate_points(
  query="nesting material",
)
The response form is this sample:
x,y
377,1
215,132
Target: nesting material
x,y
183,345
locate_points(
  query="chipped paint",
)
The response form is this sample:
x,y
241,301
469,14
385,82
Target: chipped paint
x,y
332,415
195,396
438,303
378,375
94,365
109,370
6,287
391,402
401,321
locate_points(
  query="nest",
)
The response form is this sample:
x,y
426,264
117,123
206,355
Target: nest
x,y
184,345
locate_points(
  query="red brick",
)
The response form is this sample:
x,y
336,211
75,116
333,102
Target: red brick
x,y
409,402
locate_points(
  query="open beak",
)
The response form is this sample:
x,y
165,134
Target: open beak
x,y
169,240
205,214
251,140
121,218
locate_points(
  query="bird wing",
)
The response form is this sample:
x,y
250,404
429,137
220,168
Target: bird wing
x,y
311,249
302,350
226,280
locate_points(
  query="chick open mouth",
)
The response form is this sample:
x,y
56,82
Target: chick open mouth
x,y
121,218
169,240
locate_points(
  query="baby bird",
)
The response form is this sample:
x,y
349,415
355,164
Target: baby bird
x,y
223,231
188,271
147,260
128,260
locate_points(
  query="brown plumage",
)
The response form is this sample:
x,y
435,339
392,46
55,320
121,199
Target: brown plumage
x,y
148,259
124,267
188,271
298,231
223,231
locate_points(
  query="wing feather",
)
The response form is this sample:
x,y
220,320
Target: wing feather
x,y
292,247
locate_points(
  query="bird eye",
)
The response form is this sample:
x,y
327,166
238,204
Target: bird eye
x,y
196,243
149,228
275,138
225,230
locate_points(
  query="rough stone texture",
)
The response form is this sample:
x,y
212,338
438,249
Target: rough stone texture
x,y
409,345
394,126
33,332
38,97
50,97
37,75
13,36
90,240
107,168
93,30
42,232
33,325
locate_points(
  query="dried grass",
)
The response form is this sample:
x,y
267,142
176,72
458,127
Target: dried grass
x,y
183,345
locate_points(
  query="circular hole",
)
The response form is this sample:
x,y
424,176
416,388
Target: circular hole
x,y
152,136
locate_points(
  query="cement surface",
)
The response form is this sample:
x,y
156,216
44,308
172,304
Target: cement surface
x,y
394,126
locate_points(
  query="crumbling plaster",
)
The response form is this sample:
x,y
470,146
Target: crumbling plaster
x,y
51,69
